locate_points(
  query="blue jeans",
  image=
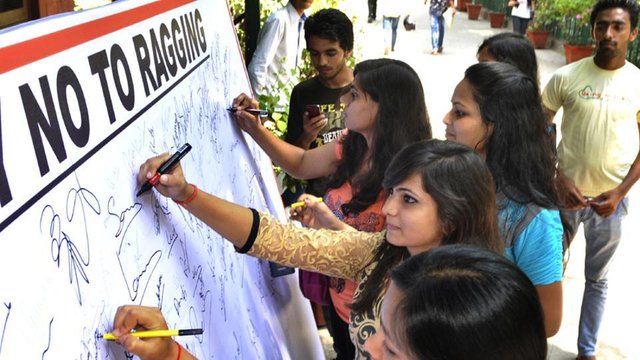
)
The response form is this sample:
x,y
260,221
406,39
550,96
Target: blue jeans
x,y
602,236
437,30
390,22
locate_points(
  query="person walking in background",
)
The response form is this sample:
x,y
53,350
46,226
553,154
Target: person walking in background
x,y
373,4
279,47
521,14
390,21
436,11
329,37
598,154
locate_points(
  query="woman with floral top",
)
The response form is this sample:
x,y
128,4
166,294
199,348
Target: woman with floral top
x,y
439,193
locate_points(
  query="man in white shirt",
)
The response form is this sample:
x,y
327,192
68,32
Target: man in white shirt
x,y
280,45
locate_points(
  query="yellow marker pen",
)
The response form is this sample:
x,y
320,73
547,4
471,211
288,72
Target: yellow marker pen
x,y
301,203
156,333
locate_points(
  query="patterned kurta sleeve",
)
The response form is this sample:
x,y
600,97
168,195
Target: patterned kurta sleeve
x,y
335,253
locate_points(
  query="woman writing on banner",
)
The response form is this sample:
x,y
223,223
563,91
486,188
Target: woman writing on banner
x,y
439,193
440,304
380,123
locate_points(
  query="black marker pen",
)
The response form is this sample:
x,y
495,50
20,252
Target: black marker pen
x,y
166,166
258,112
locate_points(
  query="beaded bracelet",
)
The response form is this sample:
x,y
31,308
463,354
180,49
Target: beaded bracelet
x,y
190,198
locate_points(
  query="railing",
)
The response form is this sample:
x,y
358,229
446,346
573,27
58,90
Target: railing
x,y
633,53
575,32
493,5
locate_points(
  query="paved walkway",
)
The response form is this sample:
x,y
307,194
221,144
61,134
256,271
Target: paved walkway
x,y
440,74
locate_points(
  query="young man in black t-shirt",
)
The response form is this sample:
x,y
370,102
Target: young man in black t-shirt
x,y
329,37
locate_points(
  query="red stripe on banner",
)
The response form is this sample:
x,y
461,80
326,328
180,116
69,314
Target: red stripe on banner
x,y
26,52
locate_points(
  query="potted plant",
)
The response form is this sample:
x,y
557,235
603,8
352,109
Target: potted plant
x,y
462,5
575,28
497,16
473,10
544,19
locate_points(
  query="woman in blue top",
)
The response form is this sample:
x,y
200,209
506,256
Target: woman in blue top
x,y
496,110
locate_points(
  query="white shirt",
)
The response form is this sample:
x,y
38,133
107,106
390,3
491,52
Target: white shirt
x,y
279,49
392,8
522,10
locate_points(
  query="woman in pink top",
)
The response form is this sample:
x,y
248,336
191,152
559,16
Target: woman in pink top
x,y
384,111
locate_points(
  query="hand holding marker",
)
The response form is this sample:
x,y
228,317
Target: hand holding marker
x,y
166,166
258,112
302,203
156,333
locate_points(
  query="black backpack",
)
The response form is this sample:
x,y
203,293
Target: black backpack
x,y
408,25
532,210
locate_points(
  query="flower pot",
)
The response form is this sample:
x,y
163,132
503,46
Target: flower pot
x,y
473,11
576,52
496,19
538,38
462,5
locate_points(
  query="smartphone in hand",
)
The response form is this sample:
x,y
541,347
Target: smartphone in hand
x,y
313,110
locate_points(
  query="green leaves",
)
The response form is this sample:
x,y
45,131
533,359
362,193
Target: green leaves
x,y
545,18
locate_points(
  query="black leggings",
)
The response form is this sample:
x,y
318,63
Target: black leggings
x,y
339,330
372,8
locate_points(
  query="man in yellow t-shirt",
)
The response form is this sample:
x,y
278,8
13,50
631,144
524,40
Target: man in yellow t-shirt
x,y
598,155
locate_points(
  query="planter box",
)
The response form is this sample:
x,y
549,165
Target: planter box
x,y
473,11
538,38
576,52
462,5
496,19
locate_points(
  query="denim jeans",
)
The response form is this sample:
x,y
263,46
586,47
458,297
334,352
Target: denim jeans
x,y
602,236
519,25
390,23
437,30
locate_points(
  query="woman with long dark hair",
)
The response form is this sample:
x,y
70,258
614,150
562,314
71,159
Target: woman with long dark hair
x,y
496,110
459,302
510,48
439,192
379,123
